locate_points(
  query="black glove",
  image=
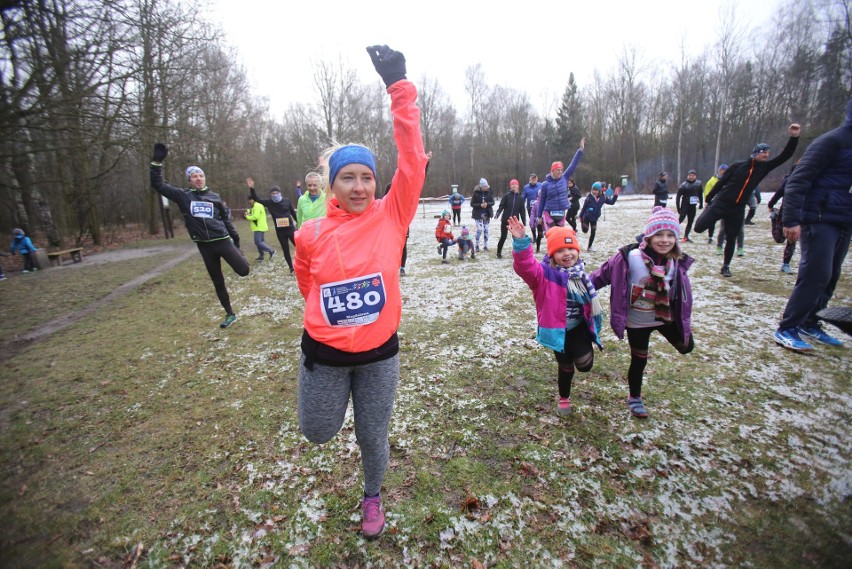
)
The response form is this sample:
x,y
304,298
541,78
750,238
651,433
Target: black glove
x,y
160,152
389,64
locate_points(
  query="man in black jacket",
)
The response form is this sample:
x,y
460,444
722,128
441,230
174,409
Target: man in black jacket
x,y
207,223
283,217
661,190
817,212
728,199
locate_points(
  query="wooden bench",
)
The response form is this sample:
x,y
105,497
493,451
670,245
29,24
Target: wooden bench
x,y
55,257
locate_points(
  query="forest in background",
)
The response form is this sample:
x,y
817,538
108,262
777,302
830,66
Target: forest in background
x,y
88,86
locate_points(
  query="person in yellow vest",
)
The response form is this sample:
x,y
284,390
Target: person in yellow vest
x,y
312,204
709,186
256,214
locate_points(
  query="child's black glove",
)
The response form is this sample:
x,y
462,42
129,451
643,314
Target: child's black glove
x,y
389,64
160,152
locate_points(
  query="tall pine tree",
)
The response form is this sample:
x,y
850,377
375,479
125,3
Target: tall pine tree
x,y
569,121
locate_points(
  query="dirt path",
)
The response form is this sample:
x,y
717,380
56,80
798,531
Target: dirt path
x,y
9,349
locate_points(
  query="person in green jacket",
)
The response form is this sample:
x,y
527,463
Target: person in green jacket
x,y
256,214
311,204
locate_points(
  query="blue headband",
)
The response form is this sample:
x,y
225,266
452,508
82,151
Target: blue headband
x,y
351,154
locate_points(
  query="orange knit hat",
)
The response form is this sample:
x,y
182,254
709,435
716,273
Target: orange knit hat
x,y
561,238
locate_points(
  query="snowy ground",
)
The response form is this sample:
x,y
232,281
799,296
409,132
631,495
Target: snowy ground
x,y
753,423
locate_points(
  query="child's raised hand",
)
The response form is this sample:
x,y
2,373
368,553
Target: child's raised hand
x,y
516,228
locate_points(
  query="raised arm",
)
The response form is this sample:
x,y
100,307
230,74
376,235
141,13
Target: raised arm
x,y
156,174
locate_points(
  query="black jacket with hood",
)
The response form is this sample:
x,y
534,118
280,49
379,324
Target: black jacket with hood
x,y
738,182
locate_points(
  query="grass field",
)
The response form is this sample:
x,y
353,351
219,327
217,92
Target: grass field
x,y
144,435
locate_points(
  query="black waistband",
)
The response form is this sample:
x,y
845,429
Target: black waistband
x,y
326,355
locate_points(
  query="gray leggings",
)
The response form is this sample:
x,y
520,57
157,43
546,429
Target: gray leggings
x,y
324,397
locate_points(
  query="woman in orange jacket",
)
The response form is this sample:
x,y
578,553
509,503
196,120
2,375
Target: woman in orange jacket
x,y
347,268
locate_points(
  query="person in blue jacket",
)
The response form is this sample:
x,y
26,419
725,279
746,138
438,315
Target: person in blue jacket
x,y
818,214
23,245
592,209
456,200
553,200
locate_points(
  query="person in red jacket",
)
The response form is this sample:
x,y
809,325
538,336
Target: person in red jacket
x,y
347,269
444,235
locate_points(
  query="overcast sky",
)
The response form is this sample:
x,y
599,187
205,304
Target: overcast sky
x,y
529,45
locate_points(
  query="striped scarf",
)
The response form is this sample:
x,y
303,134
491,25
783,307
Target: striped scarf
x,y
657,288
581,289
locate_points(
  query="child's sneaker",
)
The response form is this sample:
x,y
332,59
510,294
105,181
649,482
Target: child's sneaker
x,y
819,335
637,407
726,271
563,408
740,252
785,268
372,517
789,338
720,251
229,319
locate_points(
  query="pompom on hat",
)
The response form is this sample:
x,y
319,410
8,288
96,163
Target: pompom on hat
x,y
662,219
561,238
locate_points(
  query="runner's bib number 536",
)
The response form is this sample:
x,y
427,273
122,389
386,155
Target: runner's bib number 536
x,y
353,302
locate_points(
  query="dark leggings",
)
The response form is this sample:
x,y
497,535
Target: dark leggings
x,y
578,352
504,231
444,245
733,226
213,252
405,250
593,226
457,216
638,339
688,213
286,234
789,249
28,261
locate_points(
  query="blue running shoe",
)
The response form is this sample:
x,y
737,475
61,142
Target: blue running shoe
x,y
817,334
789,338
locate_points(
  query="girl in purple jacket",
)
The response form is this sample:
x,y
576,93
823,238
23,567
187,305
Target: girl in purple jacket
x,y
569,312
650,291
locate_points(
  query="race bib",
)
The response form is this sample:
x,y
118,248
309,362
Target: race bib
x,y
353,302
693,200
282,222
557,213
201,209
